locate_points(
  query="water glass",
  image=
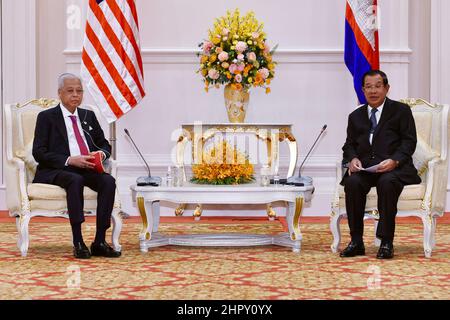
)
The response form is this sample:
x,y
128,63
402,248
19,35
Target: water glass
x,y
276,180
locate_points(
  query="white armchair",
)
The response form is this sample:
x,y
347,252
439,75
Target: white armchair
x,y
26,199
425,200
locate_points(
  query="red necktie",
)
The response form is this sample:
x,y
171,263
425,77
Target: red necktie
x,y
83,149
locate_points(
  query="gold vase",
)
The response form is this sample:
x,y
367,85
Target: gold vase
x,y
236,102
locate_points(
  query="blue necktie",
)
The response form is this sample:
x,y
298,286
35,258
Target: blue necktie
x,y
373,120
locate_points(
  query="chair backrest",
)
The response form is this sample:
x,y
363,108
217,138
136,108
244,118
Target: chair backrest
x,y
20,120
431,124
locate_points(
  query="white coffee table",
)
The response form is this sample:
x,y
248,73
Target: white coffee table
x,y
148,199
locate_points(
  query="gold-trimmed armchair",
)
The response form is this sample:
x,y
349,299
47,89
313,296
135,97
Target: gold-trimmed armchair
x,y
425,200
26,199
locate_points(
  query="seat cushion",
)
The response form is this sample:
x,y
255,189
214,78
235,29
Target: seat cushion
x,y
43,191
411,192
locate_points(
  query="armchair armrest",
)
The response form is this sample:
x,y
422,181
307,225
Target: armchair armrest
x,y
335,201
113,164
16,194
436,186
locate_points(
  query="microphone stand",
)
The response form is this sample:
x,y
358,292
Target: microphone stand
x,y
145,180
304,181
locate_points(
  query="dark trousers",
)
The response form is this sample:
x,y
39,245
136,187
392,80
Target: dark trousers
x,y
73,181
389,188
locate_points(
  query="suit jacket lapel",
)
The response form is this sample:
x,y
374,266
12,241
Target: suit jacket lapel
x,y
385,115
365,120
59,121
85,127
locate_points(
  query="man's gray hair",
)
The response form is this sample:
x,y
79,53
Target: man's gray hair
x,y
65,76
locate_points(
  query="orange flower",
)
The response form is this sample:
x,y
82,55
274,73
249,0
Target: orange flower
x,y
204,59
267,90
258,80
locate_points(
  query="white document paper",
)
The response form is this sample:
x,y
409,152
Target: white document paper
x,y
371,169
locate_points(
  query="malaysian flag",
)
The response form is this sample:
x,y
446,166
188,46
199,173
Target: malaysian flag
x,y
361,41
111,61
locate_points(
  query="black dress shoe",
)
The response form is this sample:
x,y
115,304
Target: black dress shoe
x,y
353,249
386,251
81,251
103,249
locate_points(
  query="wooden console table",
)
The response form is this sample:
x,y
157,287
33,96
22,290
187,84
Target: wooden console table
x,y
148,199
272,134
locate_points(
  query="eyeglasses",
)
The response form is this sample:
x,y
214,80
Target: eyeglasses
x,y
376,87
73,91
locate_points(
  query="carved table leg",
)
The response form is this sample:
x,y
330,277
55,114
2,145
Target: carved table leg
x,y
147,211
180,209
293,221
198,212
270,212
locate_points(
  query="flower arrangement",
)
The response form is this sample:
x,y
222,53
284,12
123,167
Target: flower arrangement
x,y
237,53
221,165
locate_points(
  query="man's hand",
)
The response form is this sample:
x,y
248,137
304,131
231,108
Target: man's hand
x,y
102,154
387,165
81,162
355,166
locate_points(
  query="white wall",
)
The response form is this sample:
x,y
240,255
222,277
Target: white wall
x,y
312,85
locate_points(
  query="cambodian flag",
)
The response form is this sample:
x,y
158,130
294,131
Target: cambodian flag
x,y
361,41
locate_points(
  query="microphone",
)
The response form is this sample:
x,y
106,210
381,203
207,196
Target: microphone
x,y
303,181
148,180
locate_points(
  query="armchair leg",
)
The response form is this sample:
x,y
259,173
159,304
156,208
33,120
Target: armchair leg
x,y
433,232
116,229
23,240
335,230
376,242
428,234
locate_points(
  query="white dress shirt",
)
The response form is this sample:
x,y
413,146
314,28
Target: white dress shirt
x,y
73,144
377,116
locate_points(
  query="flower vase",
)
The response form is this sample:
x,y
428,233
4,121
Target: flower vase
x,y
236,102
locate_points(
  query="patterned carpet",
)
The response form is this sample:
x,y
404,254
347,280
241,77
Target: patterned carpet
x,y
50,272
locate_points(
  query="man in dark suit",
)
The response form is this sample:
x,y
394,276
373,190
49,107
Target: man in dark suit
x,y
381,132
65,139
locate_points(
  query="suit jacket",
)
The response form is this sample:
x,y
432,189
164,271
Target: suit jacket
x,y
51,144
394,138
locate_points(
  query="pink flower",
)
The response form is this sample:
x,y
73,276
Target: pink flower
x,y
213,74
266,48
241,67
238,78
255,35
223,56
233,68
218,50
225,31
241,46
264,73
251,56
240,56
207,45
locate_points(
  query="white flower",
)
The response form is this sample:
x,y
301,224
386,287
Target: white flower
x,y
241,46
213,74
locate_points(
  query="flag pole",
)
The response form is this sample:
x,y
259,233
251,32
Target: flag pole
x,y
112,139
